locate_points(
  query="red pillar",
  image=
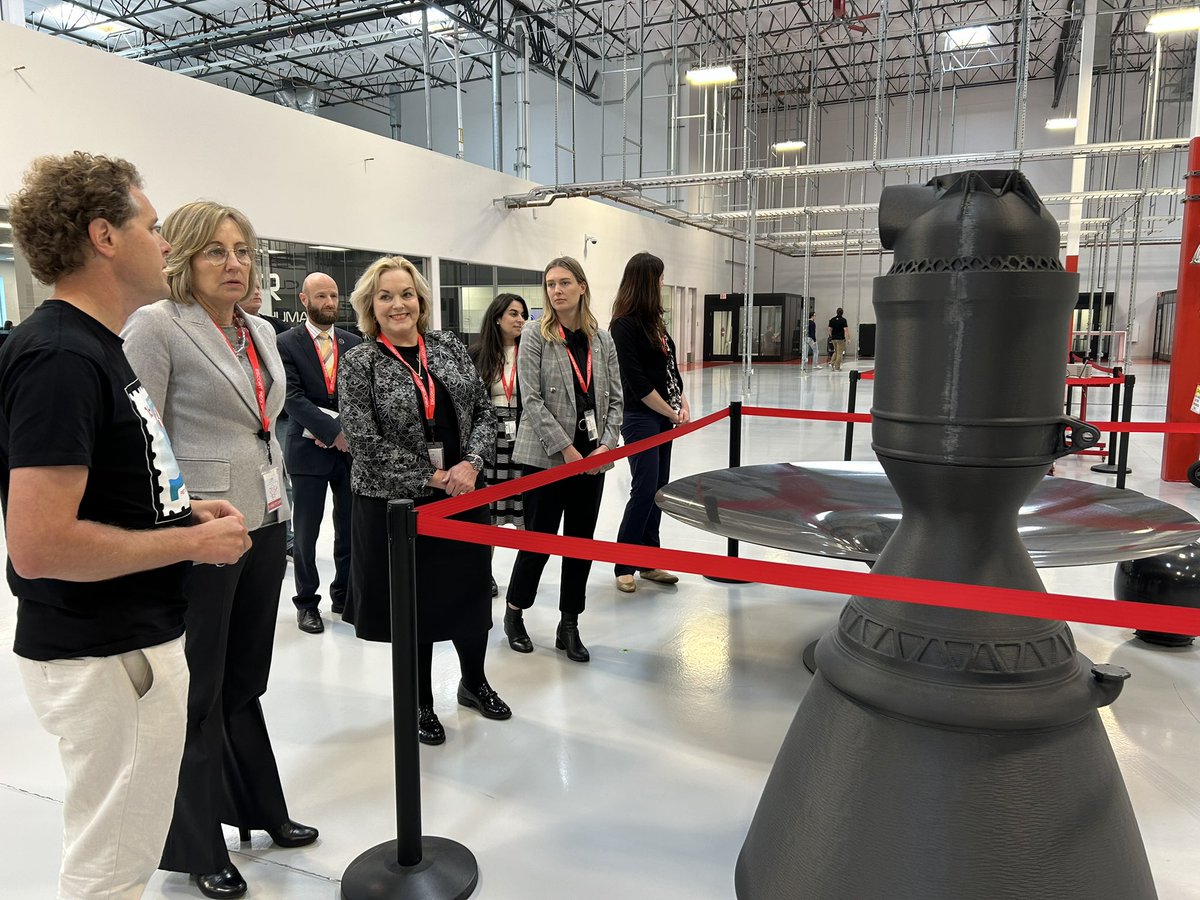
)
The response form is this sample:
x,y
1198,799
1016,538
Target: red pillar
x,y
1181,450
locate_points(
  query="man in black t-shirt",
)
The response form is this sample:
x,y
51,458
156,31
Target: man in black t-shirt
x,y
99,524
837,334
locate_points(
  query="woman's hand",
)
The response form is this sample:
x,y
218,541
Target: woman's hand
x,y
460,479
600,449
685,412
570,454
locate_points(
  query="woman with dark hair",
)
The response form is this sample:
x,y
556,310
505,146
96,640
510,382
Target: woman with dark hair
x,y
570,408
654,403
495,357
215,375
419,426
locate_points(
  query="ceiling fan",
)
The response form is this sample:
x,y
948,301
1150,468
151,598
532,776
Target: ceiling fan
x,y
843,19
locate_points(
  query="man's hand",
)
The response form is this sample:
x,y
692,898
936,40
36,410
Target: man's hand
x,y
207,510
220,541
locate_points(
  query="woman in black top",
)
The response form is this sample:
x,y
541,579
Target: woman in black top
x,y
654,403
420,426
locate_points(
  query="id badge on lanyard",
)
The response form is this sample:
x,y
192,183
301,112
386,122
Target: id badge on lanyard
x,y
272,487
437,454
589,424
510,429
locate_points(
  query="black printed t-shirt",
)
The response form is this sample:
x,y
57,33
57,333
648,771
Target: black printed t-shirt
x,y
68,397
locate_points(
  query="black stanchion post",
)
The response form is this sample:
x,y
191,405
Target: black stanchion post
x,y
855,375
412,867
1070,397
1109,466
1126,416
735,460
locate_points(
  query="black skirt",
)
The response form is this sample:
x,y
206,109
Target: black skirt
x,y
454,589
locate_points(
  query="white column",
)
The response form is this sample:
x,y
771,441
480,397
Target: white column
x,y
13,11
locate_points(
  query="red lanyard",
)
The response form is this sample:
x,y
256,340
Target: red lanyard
x,y
260,389
330,378
510,386
426,390
585,384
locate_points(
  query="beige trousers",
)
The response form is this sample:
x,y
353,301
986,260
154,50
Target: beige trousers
x,y
120,722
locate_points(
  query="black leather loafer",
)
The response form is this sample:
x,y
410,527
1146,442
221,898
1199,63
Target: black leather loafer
x,y
484,699
227,883
429,727
309,621
293,834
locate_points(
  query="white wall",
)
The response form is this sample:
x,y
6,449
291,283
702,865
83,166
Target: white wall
x,y
300,177
8,276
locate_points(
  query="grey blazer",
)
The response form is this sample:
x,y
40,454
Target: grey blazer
x,y
547,383
207,402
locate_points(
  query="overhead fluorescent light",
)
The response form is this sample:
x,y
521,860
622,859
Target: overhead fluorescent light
x,y
1186,19
789,146
330,249
970,36
6,246
1063,123
70,15
711,75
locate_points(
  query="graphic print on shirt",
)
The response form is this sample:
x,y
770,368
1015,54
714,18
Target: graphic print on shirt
x,y
171,498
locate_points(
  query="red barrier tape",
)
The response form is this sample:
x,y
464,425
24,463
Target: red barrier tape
x,y
1095,382
1149,427
452,505
867,375
817,414
1007,601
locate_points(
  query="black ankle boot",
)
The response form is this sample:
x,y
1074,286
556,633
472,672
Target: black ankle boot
x,y
567,639
514,628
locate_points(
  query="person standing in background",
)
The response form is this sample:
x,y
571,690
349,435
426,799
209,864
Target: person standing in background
x,y
654,403
811,351
837,334
316,453
495,357
97,519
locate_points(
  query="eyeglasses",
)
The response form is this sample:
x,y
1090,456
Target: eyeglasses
x,y
217,255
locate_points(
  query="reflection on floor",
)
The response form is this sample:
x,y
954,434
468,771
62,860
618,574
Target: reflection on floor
x,y
636,775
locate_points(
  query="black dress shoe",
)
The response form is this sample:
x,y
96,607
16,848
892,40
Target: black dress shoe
x,y
226,883
338,606
309,621
514,629
567,638
495,588
429,727
484,699
289,834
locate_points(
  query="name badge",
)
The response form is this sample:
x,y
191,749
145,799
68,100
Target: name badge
x,y
437,455
272,487
510,429
589,423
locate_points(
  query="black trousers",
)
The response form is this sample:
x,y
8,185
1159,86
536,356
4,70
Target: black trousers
x,y
308,511
228,773
649,471
575,502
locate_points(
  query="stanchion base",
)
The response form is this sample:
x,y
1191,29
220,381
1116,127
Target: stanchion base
x,y
725,580
1166,639
447,871
809,657
1110,469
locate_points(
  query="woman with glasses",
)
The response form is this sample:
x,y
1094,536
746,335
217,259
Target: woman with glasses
x,y
216,378
495,357
654,403
419,426
570,409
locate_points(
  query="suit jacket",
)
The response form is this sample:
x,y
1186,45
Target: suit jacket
x,y
384,421
547,384
307,395
207,403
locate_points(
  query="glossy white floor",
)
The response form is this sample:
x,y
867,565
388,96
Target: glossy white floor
x,y
637,775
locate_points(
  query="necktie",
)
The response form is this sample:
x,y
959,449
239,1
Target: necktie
x,y
325,342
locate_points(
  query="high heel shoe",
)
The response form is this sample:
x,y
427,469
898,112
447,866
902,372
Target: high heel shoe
x,y
429,727
514,629
228,883
289,834
484,699
567,638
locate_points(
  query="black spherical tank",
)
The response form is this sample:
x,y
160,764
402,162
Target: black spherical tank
x,y
944,754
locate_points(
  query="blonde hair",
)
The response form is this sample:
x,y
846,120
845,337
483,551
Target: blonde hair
x,y
189,230
549,321
363,298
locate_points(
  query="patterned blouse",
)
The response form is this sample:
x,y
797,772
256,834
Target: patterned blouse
x,y
383,420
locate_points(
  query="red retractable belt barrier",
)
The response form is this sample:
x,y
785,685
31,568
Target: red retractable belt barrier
x,y
433,522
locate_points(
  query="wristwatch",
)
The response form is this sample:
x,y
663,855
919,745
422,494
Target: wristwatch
x,y
475,460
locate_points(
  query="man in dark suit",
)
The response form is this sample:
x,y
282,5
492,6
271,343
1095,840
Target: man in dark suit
x,y
315,452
